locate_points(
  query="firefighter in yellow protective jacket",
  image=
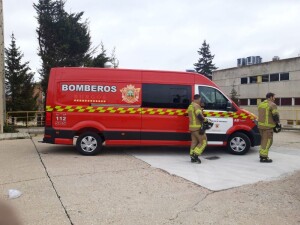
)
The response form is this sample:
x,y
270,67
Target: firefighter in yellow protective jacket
x,y
196,121
268,121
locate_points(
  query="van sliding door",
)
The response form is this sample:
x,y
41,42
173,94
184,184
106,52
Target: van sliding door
x,y
164,117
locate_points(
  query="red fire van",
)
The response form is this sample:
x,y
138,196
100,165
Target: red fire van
x,y
97,107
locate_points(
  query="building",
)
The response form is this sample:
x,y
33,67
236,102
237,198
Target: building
x,y
250,60
252,82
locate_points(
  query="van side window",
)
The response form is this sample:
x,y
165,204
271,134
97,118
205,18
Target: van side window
x,y
166,96
212,98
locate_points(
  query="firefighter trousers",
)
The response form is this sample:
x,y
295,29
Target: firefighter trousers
x,y
198,144
266,141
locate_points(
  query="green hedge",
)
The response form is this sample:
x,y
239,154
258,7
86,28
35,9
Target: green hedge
x,y
9,129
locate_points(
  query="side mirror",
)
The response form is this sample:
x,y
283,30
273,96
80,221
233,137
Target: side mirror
x,y
229,106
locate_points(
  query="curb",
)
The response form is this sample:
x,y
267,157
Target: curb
x,y
12,136
290,128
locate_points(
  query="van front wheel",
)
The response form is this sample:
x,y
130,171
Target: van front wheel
x,y
238,143
89,143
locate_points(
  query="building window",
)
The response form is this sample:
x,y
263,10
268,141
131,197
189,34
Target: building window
x,y
244,80
249,60
286,101
265,78
253,80
284,76
243,101
166,96
277,101
253,101
297,101
274,77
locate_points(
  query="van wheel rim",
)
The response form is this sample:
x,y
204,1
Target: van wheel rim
x,y
88,144
238,144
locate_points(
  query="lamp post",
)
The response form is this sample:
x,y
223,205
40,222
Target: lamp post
x,y
2,75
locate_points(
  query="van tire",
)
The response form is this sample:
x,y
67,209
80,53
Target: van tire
x,y
89,143
238,143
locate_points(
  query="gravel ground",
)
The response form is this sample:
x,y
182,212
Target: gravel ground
x,y
275,202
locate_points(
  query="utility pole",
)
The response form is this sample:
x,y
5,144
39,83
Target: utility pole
x,y
2,75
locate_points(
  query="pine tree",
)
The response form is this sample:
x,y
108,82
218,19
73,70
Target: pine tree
x,y
99,60
234,95
204,65
19,82
63,39
113,58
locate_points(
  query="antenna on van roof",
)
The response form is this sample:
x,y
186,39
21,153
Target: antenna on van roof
x,y
190,70
108,65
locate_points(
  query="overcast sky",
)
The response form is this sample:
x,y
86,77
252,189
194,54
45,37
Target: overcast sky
x,y
166,34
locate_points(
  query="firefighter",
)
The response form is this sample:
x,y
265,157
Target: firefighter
x,y
196,121
268,121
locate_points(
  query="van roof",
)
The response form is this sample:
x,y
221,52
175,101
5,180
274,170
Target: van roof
x,y
120,69
133,75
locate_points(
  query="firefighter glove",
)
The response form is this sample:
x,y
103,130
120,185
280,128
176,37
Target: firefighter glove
x,y
277,128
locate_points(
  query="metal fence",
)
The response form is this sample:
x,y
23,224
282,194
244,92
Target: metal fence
x,y
25,118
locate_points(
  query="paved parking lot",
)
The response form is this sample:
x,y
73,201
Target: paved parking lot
x,y
220,170
134,185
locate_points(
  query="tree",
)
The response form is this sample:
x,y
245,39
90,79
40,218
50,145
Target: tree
x,y
113,58
19,82
100,59
63,39
234,95
204,65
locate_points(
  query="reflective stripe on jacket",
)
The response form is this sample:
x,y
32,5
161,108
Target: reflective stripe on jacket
x,y
194,110
266,112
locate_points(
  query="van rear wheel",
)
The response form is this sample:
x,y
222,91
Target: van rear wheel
x,y
89,143
238,143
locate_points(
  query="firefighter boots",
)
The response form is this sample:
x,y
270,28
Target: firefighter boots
x,y
195,159
265,160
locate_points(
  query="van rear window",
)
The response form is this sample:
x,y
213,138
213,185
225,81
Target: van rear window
x,y
166,96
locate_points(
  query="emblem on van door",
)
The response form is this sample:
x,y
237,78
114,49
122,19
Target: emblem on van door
x,y
130,94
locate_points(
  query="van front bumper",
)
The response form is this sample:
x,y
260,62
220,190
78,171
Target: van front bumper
x,y
256,136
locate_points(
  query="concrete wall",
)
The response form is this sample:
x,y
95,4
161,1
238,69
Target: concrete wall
x,y
289,116
2,95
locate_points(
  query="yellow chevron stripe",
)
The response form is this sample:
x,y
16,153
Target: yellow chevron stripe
x,y
149,111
